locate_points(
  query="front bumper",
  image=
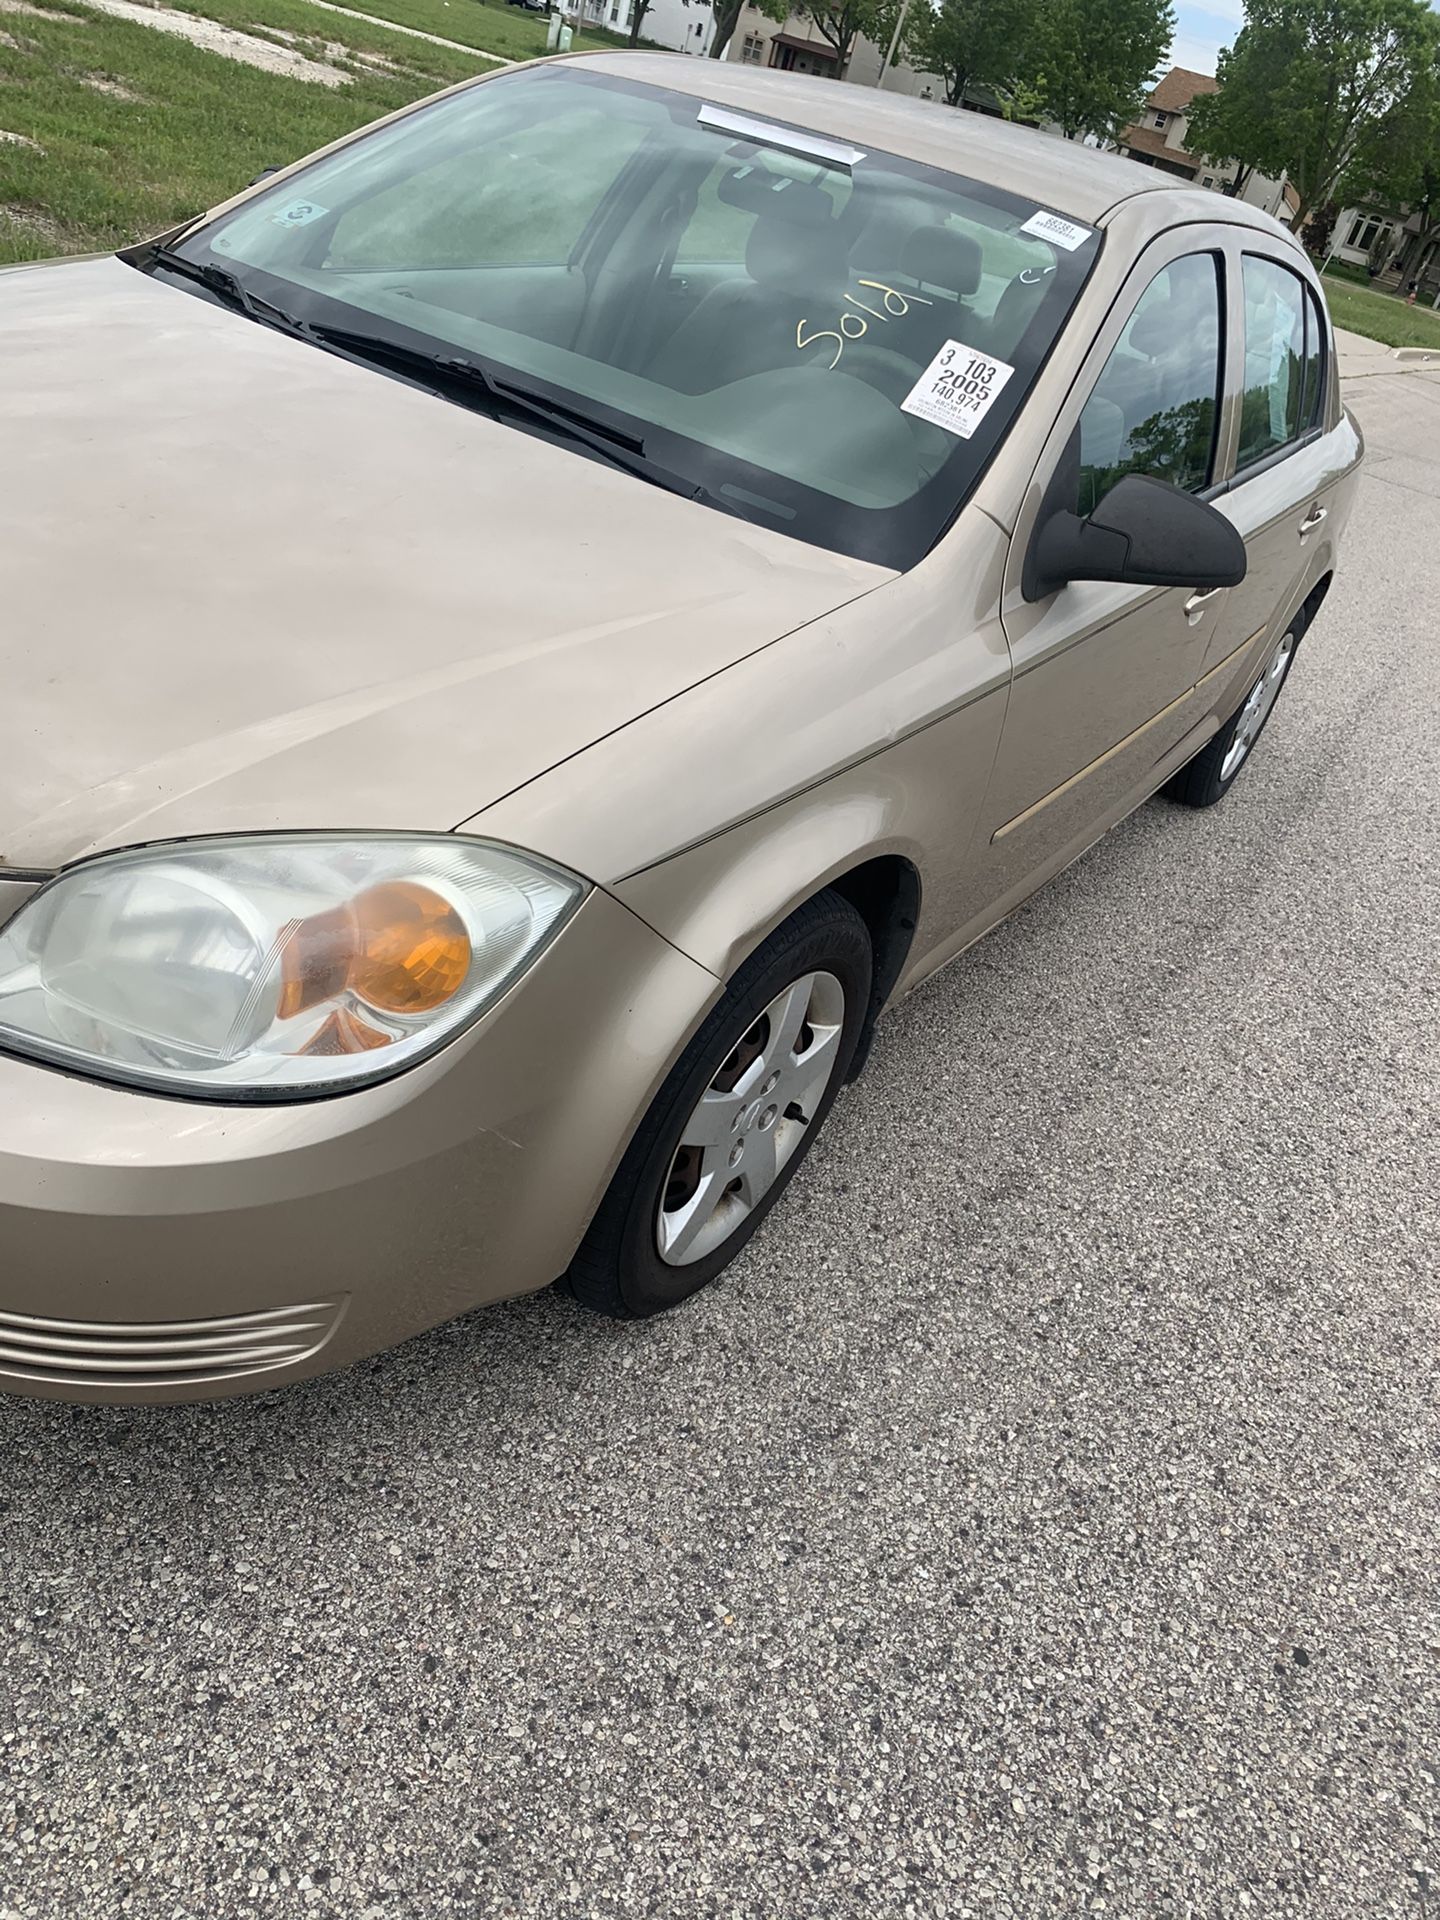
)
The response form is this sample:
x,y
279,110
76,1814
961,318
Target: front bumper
x,y
156,1249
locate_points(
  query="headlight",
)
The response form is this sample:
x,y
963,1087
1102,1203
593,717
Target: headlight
x,y
271,967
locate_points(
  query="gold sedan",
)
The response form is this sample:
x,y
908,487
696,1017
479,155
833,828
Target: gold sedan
x,y
526,632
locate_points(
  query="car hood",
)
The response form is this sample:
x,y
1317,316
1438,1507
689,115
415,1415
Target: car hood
x,y
248,585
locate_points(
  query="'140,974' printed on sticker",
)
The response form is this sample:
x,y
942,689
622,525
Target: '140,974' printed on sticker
x,y
957,389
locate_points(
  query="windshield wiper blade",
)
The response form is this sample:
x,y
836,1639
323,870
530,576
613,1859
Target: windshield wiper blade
x,y
230,287
613,444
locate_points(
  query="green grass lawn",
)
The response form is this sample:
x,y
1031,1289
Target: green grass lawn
x,y
313,28
508,32
1381,316
135,130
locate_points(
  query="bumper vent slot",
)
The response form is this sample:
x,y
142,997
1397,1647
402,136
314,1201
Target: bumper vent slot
x,y
80,1353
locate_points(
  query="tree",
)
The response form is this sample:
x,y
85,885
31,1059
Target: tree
x,y
638,11
727,14
1414,250
842,22
1319,228
1092,60
967,43
1336,94
1174,443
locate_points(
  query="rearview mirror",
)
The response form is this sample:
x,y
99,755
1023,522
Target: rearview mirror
x,y
1144,533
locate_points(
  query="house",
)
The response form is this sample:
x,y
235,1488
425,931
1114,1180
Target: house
x,y
1360,236
1396,244
1157,139
798,46
684,26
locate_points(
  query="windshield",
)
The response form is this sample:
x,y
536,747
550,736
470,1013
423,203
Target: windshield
x,y
825,341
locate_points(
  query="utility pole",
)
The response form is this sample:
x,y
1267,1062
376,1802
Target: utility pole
x,y
1332,248
894,42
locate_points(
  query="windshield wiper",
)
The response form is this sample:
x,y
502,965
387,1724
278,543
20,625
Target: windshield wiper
x,y
451,373
460,376
231,289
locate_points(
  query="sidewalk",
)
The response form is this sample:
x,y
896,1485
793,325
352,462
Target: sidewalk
x,y
1362,359
415,33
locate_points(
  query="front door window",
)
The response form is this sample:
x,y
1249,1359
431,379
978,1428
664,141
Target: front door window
x,y
1155,405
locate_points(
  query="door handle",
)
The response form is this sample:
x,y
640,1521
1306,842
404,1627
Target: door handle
x,y
1312,520
1198,602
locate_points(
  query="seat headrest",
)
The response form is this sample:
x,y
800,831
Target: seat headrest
x,y
795,245
936,257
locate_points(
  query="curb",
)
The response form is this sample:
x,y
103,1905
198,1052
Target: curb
x,y
1415,356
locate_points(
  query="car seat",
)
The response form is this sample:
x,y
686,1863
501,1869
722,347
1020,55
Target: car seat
x,y
795,268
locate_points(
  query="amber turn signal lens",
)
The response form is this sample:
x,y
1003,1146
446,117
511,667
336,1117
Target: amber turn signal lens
x,y
412,952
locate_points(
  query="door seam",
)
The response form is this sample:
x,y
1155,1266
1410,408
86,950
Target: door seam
x,y
1066,786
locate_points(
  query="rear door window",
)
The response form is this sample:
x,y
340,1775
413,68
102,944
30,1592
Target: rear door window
x,y
1274,349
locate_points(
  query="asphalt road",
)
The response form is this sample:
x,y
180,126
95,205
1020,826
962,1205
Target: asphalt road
x,y
1041,1520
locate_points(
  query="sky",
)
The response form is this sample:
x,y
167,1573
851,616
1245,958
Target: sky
x,y
1201,31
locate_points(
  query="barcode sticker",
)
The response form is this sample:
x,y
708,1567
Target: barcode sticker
x,y
957,389
1060,233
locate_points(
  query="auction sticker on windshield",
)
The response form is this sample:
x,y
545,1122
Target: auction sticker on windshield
x,y
957,389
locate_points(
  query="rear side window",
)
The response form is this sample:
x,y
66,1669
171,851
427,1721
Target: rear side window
x,y
1155,405
1274,347
1314,364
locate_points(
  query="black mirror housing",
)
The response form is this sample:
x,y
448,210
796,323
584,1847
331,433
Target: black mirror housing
x,y
1144,533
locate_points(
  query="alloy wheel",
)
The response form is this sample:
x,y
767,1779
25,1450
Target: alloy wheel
x,y
1256,710
751,1119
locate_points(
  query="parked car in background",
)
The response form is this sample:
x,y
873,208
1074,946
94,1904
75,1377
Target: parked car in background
x,y
527,632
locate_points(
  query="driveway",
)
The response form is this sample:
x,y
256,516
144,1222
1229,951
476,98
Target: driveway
x,y
1042,1519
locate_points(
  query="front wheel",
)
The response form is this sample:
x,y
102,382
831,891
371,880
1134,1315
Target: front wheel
x,y
738,1113
1211,774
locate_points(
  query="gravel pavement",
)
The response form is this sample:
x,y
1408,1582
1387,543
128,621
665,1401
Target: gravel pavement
x,y
1040,1521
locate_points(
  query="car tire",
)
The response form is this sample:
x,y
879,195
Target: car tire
x,y
1215,769
679,1210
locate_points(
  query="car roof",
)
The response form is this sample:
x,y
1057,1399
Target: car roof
x,y
1062,174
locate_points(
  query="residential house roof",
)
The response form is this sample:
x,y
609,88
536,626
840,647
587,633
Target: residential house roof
x,y
1179,88
1150,140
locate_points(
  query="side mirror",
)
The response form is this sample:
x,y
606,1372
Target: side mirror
x,y
1144,533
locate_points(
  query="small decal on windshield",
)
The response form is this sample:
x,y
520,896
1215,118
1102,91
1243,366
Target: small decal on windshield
x,y
957,389
1060,233
299,213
